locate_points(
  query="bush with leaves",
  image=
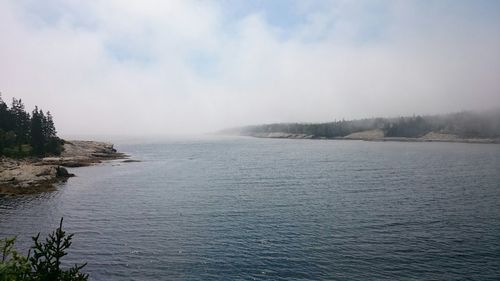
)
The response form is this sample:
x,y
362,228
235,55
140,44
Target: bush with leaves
x,y
44,264
12,265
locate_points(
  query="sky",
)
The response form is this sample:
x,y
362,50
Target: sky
x,y
145,67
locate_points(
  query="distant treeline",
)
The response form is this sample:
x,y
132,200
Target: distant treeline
x,y
23,134
463,124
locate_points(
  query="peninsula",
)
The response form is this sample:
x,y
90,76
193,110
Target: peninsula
x,y
33,157
466,126
29,175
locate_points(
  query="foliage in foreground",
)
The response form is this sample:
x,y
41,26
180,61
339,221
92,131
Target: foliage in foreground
x,y
44,264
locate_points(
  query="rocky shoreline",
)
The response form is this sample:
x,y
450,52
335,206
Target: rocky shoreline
x,y
378,135
34,175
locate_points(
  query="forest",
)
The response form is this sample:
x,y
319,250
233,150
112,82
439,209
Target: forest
x,y
466,124
24,134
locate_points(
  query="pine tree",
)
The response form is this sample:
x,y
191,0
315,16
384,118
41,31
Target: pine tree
x,y
23,135
37,138
21,121
49,126
4,115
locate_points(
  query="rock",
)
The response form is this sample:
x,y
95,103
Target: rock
x,y
130,161
280,135
434,136
366,135
61,172
84,153
34,175
26,174
47,171
90,150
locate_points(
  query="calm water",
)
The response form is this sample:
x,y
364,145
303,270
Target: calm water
x,y
265,209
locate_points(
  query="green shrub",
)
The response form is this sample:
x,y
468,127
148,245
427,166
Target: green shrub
x,y
13,266
18,151
44,264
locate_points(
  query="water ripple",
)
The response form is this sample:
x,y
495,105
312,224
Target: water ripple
x,y
260,209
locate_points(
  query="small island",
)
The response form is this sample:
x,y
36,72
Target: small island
x,y
33,158
466,127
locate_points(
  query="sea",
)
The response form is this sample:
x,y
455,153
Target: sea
x,y
239,208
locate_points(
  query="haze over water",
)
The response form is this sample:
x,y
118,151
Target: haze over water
x,y
236,208
149,67
267,209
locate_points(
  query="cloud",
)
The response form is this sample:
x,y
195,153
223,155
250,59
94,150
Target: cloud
x,y
163,67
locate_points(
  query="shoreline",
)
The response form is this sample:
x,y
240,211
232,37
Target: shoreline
x,y
32,175
277,135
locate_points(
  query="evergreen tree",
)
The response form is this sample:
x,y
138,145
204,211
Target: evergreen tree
x,y
24,135
4,115
37,136
45,263
21,121
49,128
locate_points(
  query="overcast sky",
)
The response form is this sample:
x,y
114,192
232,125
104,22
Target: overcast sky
x,y
173,67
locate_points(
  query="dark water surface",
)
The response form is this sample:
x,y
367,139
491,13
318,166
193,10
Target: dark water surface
x,y
266,209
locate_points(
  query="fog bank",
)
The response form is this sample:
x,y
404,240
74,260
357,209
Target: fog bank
x,y
180,67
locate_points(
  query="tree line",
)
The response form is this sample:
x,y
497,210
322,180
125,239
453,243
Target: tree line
x,y
24,134
464,124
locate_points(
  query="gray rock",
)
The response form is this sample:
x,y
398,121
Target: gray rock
x,y
32,175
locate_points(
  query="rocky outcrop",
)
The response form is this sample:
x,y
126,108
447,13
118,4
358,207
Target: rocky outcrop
x,y
366,135
32,175
280,135
378,135
434,136
84,153
28,175
131,161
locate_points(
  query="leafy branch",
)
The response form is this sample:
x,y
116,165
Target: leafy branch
x,y
44,264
